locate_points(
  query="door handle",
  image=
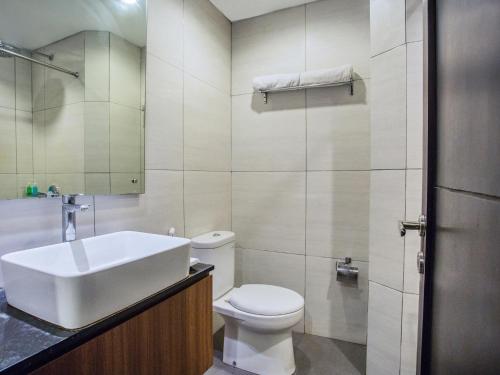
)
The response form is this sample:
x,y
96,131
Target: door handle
x,y
419,225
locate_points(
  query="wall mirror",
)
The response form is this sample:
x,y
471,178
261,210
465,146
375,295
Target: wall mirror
x,y
72,97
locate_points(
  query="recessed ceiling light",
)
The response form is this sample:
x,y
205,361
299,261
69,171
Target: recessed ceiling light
x,y
129,2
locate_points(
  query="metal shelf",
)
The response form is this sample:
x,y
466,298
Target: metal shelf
x,y
266,93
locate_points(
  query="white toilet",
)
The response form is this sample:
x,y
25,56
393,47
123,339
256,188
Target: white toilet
x,y
258,318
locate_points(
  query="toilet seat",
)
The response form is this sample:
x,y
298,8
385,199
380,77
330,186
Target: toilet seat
x,y
270,323
267,300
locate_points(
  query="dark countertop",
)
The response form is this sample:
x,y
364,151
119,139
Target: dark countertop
x,y
27,343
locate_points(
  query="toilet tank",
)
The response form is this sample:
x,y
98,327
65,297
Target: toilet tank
x,y
217,248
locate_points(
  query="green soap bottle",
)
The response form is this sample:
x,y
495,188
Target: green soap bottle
x,y
29,190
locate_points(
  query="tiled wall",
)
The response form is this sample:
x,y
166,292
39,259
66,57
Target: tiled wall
x,y
16,118
301,180
396,179
87,132
188,178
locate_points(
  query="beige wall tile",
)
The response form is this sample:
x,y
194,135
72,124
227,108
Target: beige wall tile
x,y
207,127
97,65
23,85
207,202
338,206
97,146
414,20
24,141
207,44
384,331
387,207
336,309
97,183
338,128
124,72
269,211
409,338
64,132
7,83
125,133
412,239
39,148
164,115
155,212
61,88
259,267
8,186
7,140
387,24
388,110
338,33
38,85
269,137
165,34
415,105
270,44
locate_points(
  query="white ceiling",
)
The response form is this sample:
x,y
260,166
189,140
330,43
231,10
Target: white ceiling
x,y
32,24
240,9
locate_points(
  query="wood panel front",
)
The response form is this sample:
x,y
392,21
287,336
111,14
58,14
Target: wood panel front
x,y
173,337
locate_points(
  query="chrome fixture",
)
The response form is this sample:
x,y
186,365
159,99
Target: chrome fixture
x,y
265,93
346,271
419,225
69,210
7,50
47,56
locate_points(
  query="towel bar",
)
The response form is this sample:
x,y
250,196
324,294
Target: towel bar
x,y
295,88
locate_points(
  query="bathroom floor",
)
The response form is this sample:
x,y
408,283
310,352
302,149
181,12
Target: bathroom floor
x,y
314,355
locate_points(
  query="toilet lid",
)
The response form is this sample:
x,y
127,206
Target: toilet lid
x,y
266,300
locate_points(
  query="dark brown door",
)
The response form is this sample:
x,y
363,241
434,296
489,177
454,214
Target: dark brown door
x,y
460,303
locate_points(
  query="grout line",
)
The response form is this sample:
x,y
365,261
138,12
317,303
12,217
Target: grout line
x,y
183,117
306,174
389,50
321,170
109,115
300,254
310,170
14,60
405,189
93,201
385,286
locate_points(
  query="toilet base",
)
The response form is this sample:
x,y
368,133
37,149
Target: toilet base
x,y
260,352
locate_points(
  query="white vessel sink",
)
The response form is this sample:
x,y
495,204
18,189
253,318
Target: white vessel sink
x,y
77,283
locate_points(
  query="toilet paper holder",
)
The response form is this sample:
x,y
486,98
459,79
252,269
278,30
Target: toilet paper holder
x,y
345,270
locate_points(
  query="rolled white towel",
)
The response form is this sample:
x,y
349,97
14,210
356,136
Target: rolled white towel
x,y
326,76
276,81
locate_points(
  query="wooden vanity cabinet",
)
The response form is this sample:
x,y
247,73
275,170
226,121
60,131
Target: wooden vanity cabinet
x,y
173,337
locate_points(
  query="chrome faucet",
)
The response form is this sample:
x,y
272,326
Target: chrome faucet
x,y
69,210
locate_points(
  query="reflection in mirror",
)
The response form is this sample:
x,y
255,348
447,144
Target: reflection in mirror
x,y
72,97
